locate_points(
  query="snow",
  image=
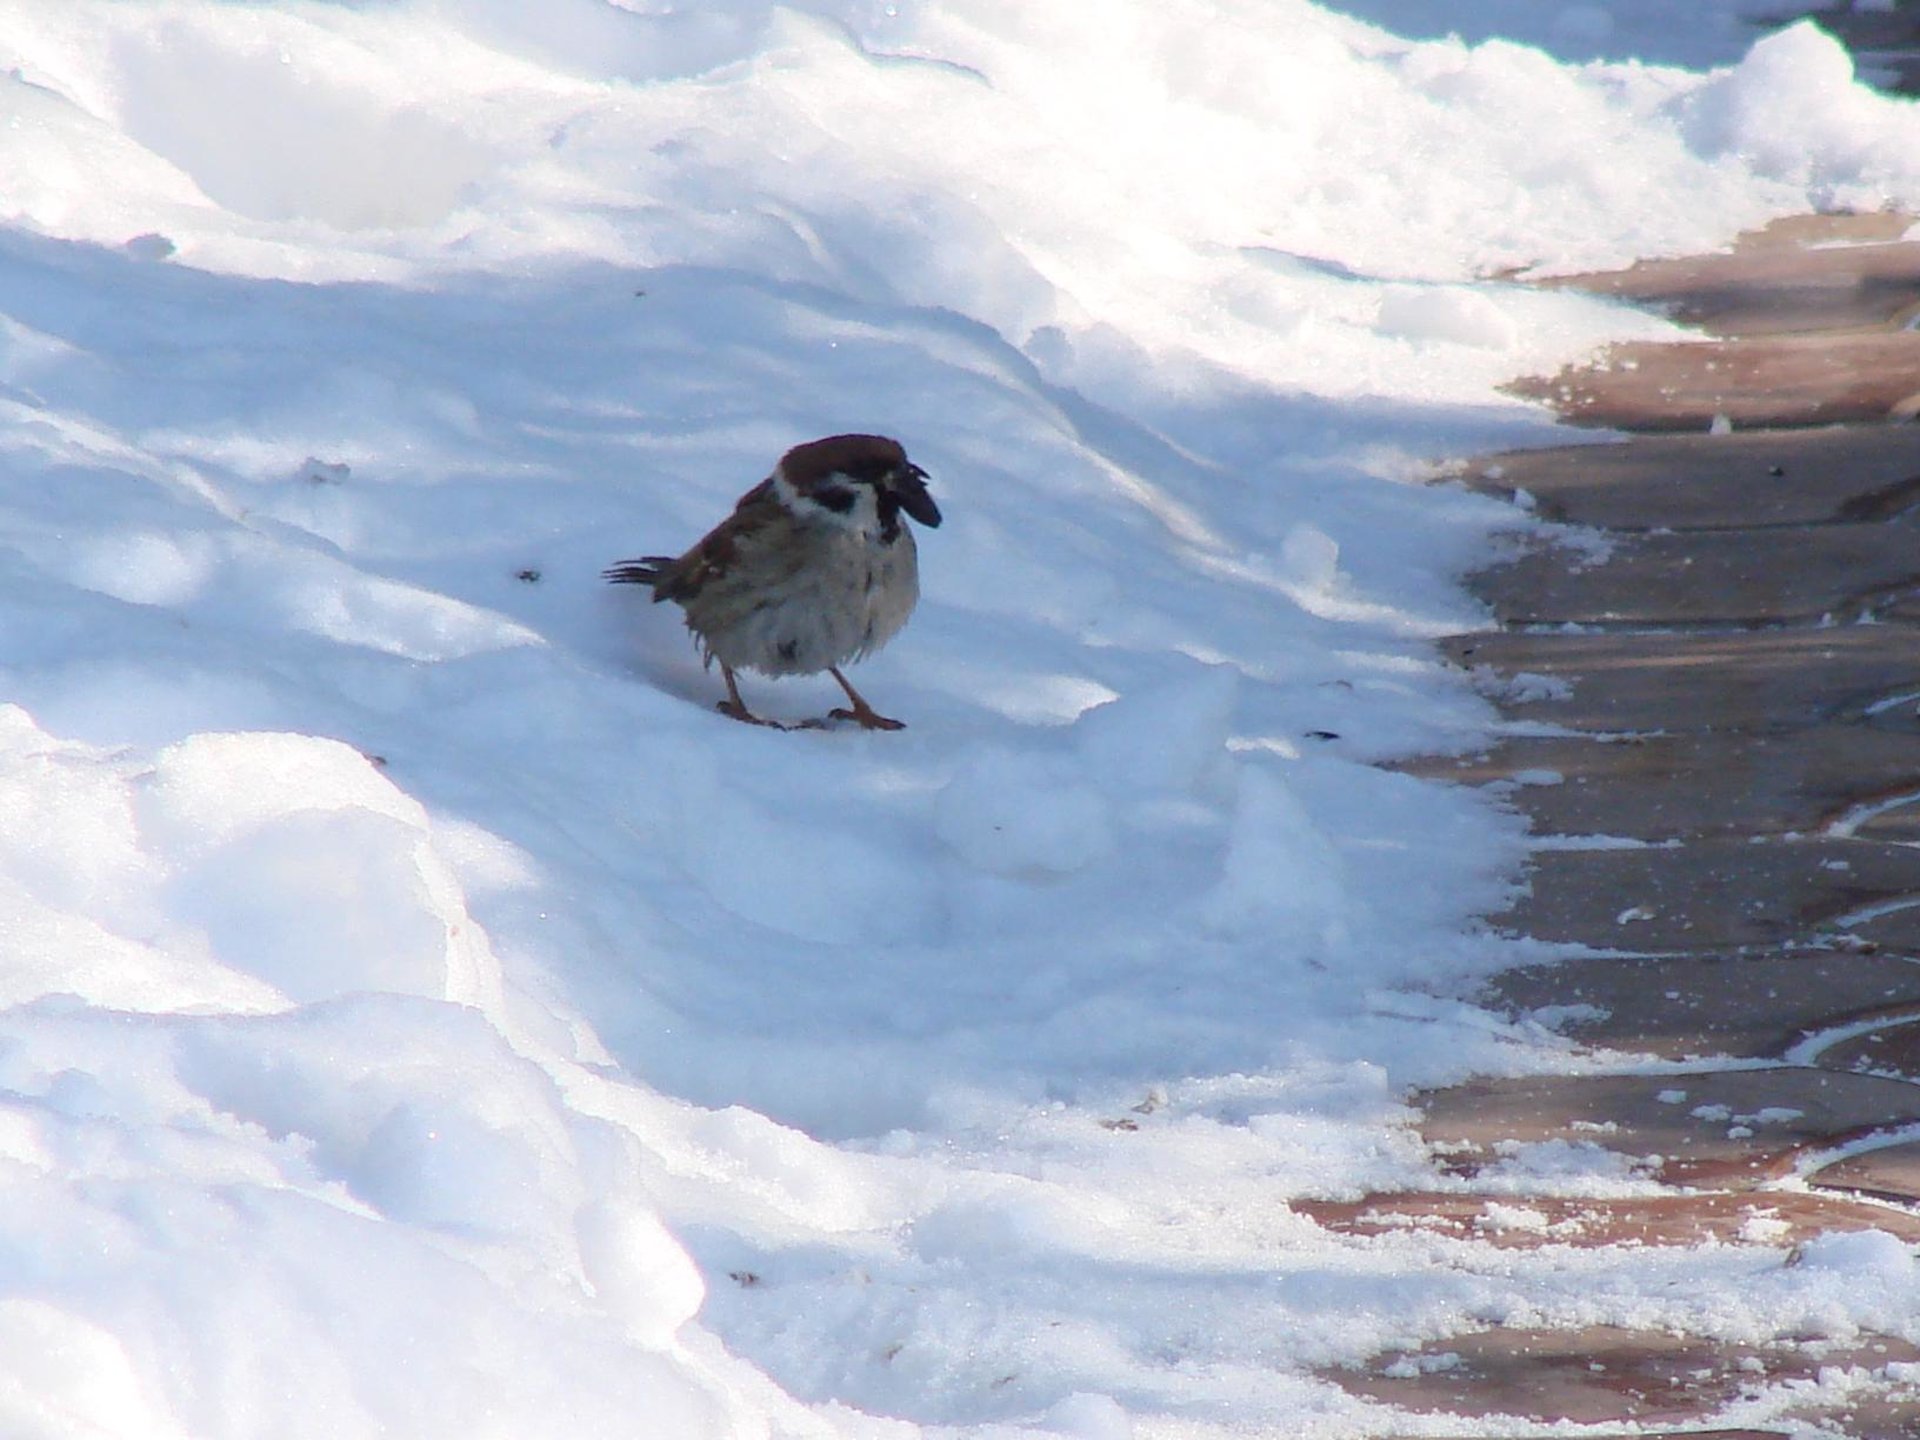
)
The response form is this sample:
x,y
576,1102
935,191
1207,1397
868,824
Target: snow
x,y
424,1015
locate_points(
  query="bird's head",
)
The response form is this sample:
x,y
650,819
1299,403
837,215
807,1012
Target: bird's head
x,y
861,480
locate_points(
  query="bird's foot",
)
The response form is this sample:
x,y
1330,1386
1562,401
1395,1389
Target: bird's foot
x,y
867,718
735,711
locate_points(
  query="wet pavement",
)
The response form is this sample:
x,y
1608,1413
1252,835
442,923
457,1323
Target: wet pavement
x,y
1710,683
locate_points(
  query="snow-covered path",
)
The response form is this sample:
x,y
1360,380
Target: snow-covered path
x,y
425,1016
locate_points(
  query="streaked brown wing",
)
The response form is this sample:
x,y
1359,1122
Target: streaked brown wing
x,y
717,552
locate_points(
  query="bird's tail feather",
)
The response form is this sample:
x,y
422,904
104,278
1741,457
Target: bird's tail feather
x,y
644,571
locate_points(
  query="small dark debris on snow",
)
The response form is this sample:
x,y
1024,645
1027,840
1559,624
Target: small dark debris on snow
x,y
150,246
316,471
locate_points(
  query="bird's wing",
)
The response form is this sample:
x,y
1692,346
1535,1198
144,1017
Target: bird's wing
x,y
719,550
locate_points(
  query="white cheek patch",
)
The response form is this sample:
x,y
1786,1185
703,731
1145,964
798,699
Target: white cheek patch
x,y
783,488
863,515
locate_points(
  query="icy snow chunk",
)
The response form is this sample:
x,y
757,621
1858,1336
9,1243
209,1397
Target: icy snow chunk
x,y
307,868
1017,813
1281,874
1791,110
1861,1256
212,788
638,1269
1311,559
1169,736
1412,1367
324,903
1538,777
78,887
174,1218
1514,1218
419,1109
1523,687
1451,314
1572,1167
144,568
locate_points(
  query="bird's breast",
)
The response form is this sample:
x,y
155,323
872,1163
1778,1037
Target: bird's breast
x,y
846,597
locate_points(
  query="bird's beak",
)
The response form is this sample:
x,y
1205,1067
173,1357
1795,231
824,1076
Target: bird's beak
x,y
909,483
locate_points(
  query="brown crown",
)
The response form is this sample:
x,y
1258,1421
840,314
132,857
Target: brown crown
x,y
817,458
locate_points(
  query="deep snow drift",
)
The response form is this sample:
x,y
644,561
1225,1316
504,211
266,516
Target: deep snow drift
x,y
425,1016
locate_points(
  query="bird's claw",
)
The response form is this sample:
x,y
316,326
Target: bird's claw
x,y
747,717
867,719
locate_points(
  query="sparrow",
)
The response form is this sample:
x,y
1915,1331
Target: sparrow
x,y
814,568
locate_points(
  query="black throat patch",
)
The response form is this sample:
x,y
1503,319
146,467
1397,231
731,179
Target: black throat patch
x,y
889,504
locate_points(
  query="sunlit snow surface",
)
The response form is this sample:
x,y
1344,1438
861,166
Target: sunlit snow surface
x,y
425,1016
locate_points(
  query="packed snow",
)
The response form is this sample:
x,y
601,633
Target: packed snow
x,y
424,1015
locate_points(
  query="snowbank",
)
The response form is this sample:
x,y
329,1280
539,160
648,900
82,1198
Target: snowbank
x,y
422,1014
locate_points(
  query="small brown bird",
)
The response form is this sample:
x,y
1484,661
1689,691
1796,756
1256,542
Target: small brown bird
x,y
813,569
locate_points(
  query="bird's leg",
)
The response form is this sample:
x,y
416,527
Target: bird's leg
x,y
868,717
733,706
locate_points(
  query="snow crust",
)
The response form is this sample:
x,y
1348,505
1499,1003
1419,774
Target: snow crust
x,y
421,1014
